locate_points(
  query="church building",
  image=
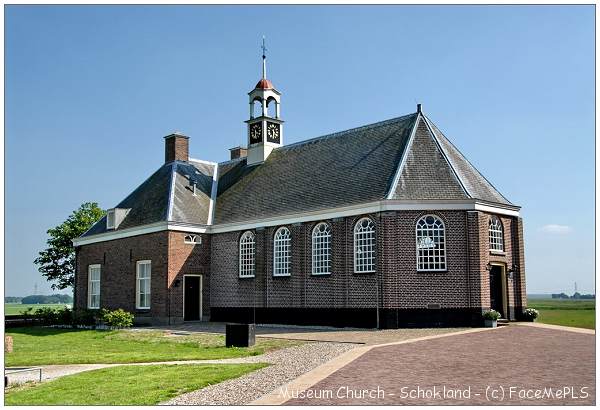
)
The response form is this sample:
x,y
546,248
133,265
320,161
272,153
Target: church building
x,y
386,225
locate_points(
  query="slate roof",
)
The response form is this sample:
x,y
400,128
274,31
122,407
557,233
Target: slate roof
x,y
340,169
351,167
474,182
167,191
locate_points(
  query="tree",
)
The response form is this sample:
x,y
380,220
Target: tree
x,y
57,261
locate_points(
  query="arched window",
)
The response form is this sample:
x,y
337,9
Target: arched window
x,y
431,244
321,249
191,239
282,252
247,255
257,108
364,246
272,110
496,234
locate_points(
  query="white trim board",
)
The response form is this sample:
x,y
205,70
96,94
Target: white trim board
x,y
372,207
213,196
400,168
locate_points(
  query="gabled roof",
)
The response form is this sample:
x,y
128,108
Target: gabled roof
x,y
404,159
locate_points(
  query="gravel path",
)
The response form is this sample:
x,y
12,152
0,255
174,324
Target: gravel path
x,y
287,364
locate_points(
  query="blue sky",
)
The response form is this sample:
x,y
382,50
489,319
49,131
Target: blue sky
x,y
91,91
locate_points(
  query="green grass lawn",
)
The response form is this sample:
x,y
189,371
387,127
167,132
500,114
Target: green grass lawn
x,y
18,308
125,385
40,345
576,313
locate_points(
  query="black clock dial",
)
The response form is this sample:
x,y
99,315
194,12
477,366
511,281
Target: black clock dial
x,y
255,133
273,132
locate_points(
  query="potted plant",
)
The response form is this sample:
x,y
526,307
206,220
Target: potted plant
x,y
530,314
490,318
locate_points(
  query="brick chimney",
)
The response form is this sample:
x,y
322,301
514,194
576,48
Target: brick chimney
x,y
238,152
176,147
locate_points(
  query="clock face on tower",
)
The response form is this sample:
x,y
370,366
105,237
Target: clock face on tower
x,y
255,133
273,132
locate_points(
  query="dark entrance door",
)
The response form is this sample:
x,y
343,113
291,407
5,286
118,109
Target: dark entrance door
x,y
192,298
496,291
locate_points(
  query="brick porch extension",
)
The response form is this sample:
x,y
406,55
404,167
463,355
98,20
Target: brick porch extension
x,y
519,356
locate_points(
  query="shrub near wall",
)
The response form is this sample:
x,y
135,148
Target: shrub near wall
x,y
117,318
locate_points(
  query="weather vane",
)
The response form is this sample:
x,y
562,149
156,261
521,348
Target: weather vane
x,y
264,65
264,48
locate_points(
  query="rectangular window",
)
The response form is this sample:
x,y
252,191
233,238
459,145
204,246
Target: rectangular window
x,y
144,270
110,219
94,287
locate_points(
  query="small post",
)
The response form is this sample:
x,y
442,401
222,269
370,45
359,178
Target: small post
x,y
419,109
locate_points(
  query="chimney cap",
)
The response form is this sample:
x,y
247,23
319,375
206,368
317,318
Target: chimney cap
x,y
238,147
177,134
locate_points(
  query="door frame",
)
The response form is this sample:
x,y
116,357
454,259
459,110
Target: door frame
x,y
200,297
504,286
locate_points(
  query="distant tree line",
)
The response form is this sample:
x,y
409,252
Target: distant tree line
x,y
575,295
39,299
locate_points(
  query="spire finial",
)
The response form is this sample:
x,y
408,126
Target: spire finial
x,y
264,58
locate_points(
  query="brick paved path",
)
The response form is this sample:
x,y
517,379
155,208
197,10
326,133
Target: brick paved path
x,y
525,358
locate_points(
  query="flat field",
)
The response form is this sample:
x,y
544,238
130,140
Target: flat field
x,y
18,308
566,312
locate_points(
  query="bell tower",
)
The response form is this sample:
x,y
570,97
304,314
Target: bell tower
x,y
265,127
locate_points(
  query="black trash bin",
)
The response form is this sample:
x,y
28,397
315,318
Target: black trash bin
x,y
240,334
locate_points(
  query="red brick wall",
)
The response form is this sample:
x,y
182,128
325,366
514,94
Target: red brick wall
x,y
186,259
118,275
171,260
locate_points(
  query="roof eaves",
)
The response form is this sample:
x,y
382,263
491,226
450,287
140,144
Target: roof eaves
x,y
94,224
396,179
445,155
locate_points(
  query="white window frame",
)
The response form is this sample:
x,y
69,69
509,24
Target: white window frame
x,y
192,239
90,285
434,233
364,246
496,234
321,249
247,255
110,216
138,280
282,252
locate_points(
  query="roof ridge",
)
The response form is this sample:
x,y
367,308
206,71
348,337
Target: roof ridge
x,y
171,194
403,158
202,161
231,160
348,131
467,161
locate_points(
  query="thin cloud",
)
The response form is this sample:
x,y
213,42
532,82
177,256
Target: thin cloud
x,y
557,229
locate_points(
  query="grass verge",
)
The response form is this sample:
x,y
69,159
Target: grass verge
x,y
126,385
39,346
